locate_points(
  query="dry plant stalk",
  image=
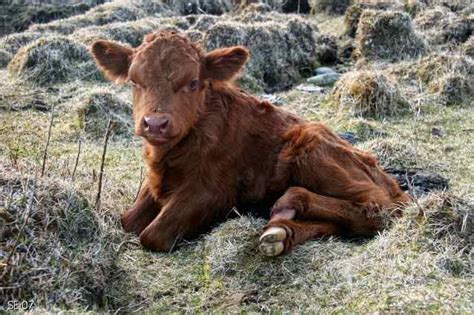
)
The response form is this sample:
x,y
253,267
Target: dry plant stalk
x,y
110,126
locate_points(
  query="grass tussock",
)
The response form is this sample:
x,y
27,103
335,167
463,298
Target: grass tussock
x,y
468,47
368,94
110,12
441,26
5,58
96,107
65,254
387,35
216,7
329,6
281,47
13,42
57,248
53,60
354,11
131,33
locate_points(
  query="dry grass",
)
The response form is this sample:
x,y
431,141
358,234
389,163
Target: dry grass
x,y
131,33
387,35
95,108
369,94
13,42
53,60
56,247
281,47
468,47
441,26
5,58
114,11
60,251
329,6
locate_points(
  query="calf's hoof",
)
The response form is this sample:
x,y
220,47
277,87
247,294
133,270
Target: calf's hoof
x,y
156,241
271,241
127,223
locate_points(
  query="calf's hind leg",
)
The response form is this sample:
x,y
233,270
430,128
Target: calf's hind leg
x,y
300,215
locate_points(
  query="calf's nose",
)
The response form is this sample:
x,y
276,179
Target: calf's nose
x,y
156,125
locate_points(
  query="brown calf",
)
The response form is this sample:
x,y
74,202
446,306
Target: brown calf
x,y
210,146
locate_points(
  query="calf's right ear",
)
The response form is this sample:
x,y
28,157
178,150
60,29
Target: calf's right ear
x,y
112,59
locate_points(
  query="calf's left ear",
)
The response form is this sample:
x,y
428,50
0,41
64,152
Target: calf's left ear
x,y
113,59
225,63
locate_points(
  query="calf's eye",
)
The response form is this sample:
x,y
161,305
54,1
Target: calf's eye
x,y
193,84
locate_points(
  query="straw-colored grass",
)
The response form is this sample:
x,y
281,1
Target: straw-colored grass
x,y
369,93
387,35
65,254
53,60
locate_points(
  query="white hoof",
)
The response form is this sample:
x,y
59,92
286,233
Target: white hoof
x,y
273,234
271,249
271,241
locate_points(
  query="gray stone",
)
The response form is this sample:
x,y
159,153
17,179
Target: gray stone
x,y
323,70
274,99
309,88
324,79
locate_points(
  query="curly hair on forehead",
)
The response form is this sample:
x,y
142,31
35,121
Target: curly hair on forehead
x,y
175,38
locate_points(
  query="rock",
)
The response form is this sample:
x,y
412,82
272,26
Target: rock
x,y
418,182
349,137
274,99
310,88
323,70
437,132
327,79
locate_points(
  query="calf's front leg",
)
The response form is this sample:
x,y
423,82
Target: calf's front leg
x,y
142,212
181,217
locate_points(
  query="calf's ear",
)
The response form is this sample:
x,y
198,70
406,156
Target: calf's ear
x,y
225,63
112,59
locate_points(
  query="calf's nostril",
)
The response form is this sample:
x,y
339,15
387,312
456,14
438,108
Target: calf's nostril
x,y
146,124
157,125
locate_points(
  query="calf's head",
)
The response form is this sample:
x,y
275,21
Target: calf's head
x,y
169,76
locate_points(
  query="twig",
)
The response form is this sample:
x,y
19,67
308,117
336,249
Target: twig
x,y
77,159
101,173
45,154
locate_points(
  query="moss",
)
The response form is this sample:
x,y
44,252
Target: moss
x,y
53,60
387,35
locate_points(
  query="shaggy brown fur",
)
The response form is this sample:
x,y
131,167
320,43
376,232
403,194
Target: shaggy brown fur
x,y
219,147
